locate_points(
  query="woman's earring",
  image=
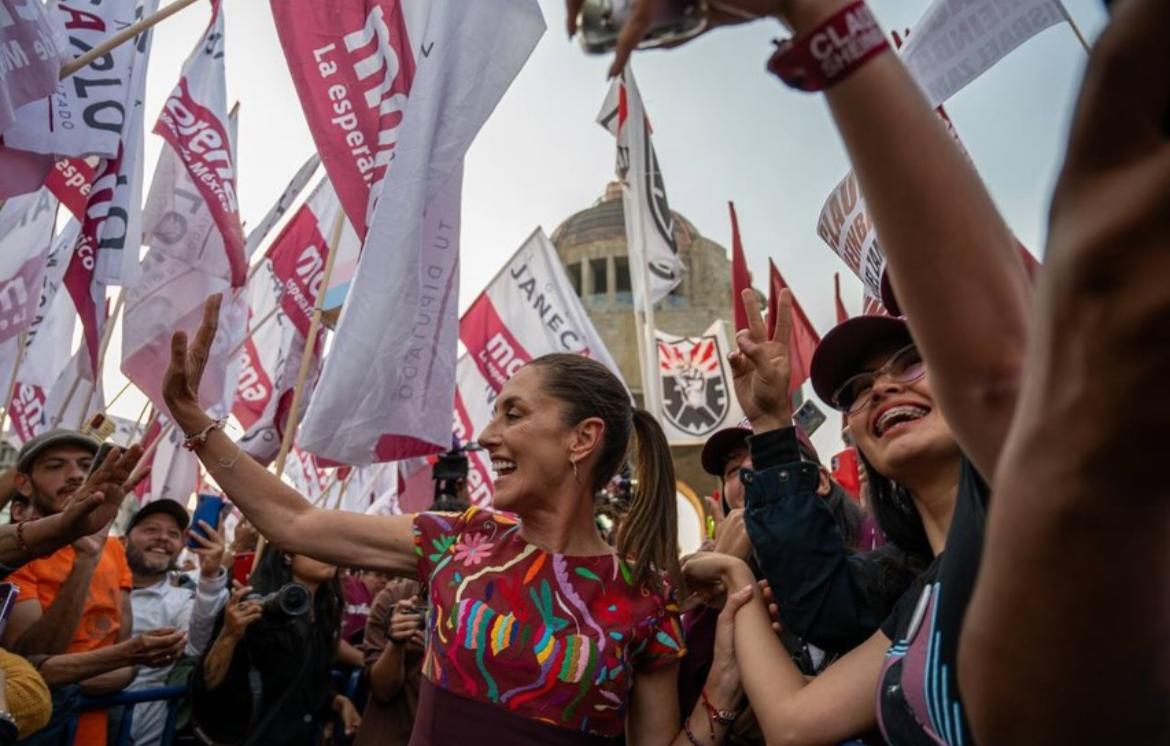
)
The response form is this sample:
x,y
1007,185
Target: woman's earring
x,y
576,476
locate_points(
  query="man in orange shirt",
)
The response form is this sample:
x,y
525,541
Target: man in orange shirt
x,y
76,600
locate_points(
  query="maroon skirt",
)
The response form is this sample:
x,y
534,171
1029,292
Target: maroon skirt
x,y
446,719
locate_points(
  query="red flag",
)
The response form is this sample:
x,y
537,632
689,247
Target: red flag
x,y
803,340
842,314
741,279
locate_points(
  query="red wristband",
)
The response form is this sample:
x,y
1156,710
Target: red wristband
x,y
831,52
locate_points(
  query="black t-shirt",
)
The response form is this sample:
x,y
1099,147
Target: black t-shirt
x,y
918,703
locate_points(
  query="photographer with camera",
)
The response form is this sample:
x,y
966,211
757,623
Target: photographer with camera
x,y
394,643
266,678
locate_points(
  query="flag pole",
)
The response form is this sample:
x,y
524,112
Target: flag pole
x,y
253,329
1075,27
290,426
122,37
12,382
101,361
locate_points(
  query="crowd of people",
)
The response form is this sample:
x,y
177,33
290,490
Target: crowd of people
x,y
1010,597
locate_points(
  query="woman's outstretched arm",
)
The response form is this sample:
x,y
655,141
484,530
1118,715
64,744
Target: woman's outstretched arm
x,y
279,512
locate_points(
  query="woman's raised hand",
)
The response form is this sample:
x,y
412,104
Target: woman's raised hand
x,y
181,382
760,366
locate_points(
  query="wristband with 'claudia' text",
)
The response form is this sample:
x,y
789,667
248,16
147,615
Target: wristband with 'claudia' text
x,y
831,52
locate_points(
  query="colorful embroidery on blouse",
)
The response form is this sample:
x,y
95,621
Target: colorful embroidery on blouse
x,y
550,637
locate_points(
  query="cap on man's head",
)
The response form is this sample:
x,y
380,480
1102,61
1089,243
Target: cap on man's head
x,y
166,506
848,347
52,439
719,447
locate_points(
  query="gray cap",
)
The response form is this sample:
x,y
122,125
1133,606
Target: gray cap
x,y
58,437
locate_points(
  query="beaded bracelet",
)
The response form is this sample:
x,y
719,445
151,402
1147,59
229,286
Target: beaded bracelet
x,y
193,442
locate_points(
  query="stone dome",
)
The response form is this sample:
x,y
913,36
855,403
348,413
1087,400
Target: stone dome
x,y
605,221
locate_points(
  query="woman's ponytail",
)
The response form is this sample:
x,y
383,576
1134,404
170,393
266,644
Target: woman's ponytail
x,y
649,530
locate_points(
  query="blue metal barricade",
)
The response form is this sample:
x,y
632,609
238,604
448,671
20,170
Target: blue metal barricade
x,y
128,700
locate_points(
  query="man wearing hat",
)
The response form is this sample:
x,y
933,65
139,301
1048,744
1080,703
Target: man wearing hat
x,y
727,452
154,540
77,599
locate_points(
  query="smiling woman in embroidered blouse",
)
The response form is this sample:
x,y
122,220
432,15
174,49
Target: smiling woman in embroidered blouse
x,y
538,631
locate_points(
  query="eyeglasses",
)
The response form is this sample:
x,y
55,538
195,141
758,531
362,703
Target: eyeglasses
x,y
905,366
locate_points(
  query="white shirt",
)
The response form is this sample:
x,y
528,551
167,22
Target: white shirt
x,y
166,605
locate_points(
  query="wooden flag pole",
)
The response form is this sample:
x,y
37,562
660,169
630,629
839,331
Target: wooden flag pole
x,y
341,490
290,425
12,382
255,328
122,37
102,347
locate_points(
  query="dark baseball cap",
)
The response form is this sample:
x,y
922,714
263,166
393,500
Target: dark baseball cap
x,y
52,439
719,447
164,505
849,346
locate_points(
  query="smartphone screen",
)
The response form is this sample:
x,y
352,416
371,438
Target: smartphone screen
x,y
207,511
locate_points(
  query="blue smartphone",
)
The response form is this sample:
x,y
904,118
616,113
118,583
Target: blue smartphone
x,y
207,510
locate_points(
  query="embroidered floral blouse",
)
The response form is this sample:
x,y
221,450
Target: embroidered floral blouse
x,y
549,637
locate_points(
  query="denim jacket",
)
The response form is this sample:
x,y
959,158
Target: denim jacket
x,y
827,595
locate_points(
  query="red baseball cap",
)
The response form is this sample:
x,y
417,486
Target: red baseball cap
x,y
845,350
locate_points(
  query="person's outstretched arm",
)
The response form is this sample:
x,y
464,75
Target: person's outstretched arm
x,y
1070,621
279,512
953,261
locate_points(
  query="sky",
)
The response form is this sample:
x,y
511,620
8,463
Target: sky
x,y
724,130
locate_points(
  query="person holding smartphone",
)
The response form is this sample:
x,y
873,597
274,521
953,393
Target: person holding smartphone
x,y
394,643
154,539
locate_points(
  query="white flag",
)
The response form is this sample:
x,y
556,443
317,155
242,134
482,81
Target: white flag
x,y
529,309
190,257
299,181
649,222
48,345
91,109
23,253
174,470
953,43
389,381
698,398
956,41
34,48
74,396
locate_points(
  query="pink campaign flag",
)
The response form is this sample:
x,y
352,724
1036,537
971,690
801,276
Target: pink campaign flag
x,y
353,65
287,284
529,309
194,122
191,256
34,51
389,381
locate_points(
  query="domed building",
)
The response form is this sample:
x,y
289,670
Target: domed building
x,y
592,246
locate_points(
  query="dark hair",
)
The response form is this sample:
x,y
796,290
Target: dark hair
x,y
649,530
896,514
275,570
